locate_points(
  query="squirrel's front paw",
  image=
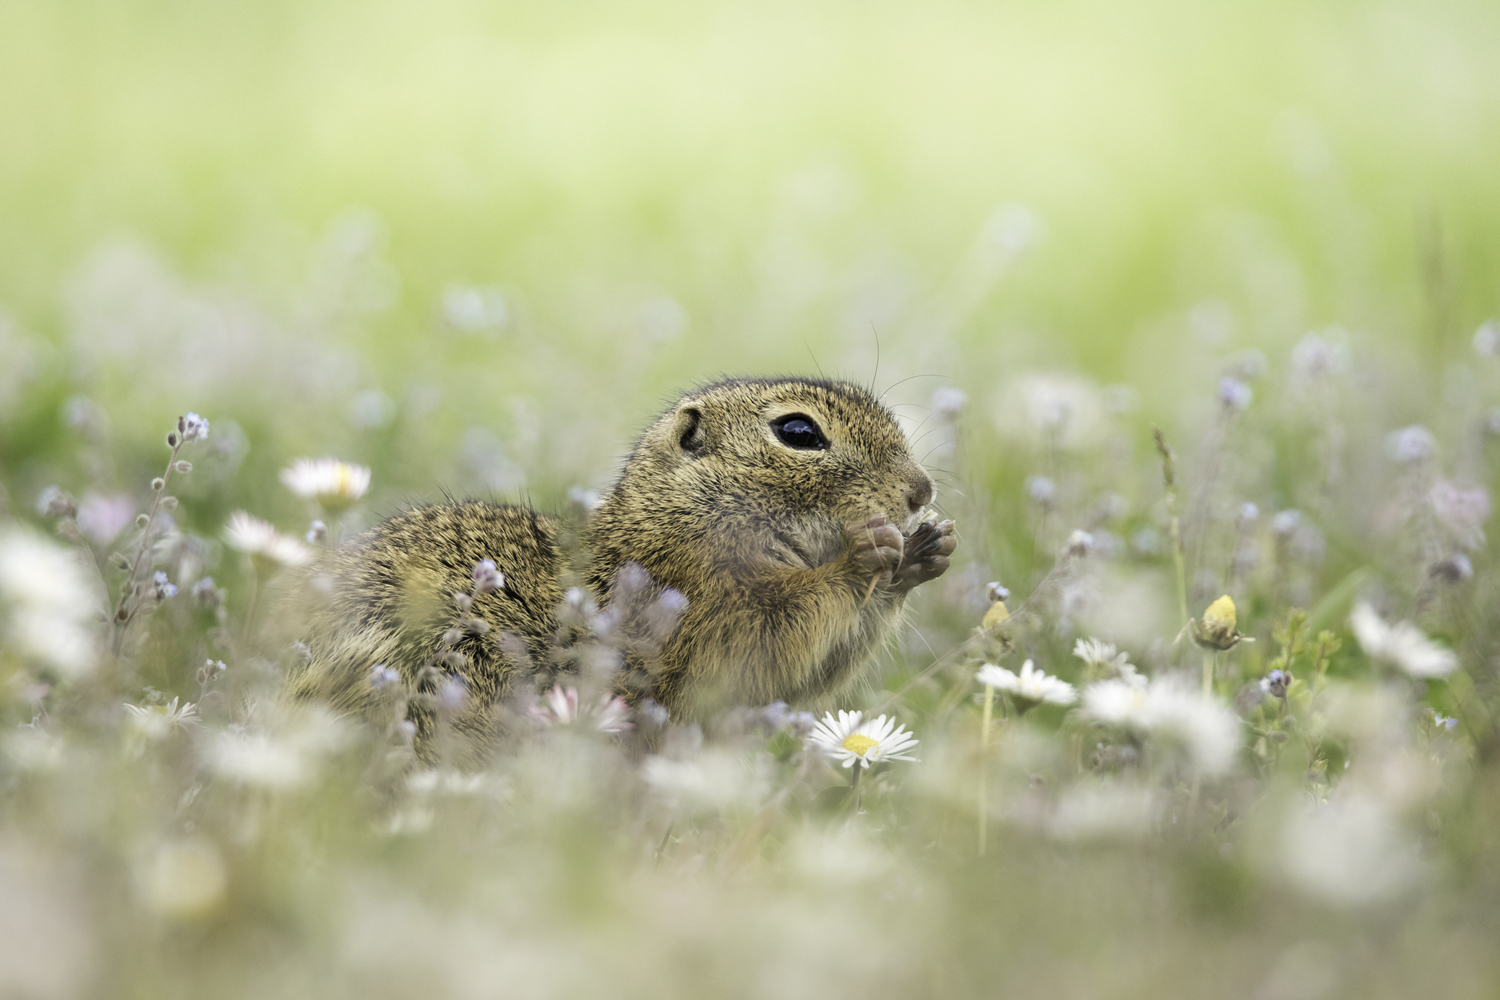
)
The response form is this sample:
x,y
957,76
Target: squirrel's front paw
x,y
925,556
874,545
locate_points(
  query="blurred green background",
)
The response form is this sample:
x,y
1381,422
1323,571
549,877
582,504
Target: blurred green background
x,y
477,244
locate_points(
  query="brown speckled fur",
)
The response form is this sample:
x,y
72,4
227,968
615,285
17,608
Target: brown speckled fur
x,y
795,563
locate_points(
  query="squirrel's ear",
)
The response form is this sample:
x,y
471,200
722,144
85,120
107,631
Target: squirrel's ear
x,y
688,431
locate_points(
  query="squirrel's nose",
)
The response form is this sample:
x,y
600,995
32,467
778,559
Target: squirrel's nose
x,y
920,494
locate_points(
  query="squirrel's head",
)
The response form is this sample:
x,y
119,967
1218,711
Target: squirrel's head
x,y
804,446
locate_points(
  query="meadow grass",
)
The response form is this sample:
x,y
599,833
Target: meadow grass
x,y
473,247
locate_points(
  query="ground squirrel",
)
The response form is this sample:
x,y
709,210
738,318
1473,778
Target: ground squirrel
x,y
758,546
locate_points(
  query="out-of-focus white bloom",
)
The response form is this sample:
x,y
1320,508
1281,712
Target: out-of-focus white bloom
x,y
589,500
1094,812
849,738
948,401
283,759
1063,411
156,722
1116,702
1411,444
1079,543
712,779
610,715
1487,338
1170,709
101,519
48,601
1318,356
468,309
1031,686
260,539
1102,655
382,677
184,879
1403,645
1463,510
255,758
1349,851
333,484
1040,489
1234,394
32,749
1286,522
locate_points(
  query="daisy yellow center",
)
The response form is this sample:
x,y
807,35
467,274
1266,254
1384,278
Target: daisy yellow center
x,y
858,743
344,482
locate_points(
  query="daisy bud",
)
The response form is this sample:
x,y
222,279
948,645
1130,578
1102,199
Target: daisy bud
x,y
1216,629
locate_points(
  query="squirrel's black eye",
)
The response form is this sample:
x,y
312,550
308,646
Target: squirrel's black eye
x,y
797,430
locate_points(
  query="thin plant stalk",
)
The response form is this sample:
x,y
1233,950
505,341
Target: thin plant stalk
x,y
984,761
124,614
1169,480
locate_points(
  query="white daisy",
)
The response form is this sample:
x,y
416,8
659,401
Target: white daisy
x,y
155,722
48,600
610,715
1031,687
848,738
334,485
261,540
1100,655
1401,644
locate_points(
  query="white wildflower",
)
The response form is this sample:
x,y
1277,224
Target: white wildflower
x,y
610,715
848,738
1171,710
1349,851
1102,656
1403,645
156,722
1030,687
48,600
284,759
334,485
1411,444
261,540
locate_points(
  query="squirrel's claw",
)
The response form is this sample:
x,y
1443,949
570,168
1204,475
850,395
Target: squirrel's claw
x,y
925,555
875,545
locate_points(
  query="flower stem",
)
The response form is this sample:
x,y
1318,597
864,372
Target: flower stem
x,y
123,612
984,759
1169,481
854,785
1209,662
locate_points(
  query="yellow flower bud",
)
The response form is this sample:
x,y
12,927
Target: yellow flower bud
x,y
997,615
1216,629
